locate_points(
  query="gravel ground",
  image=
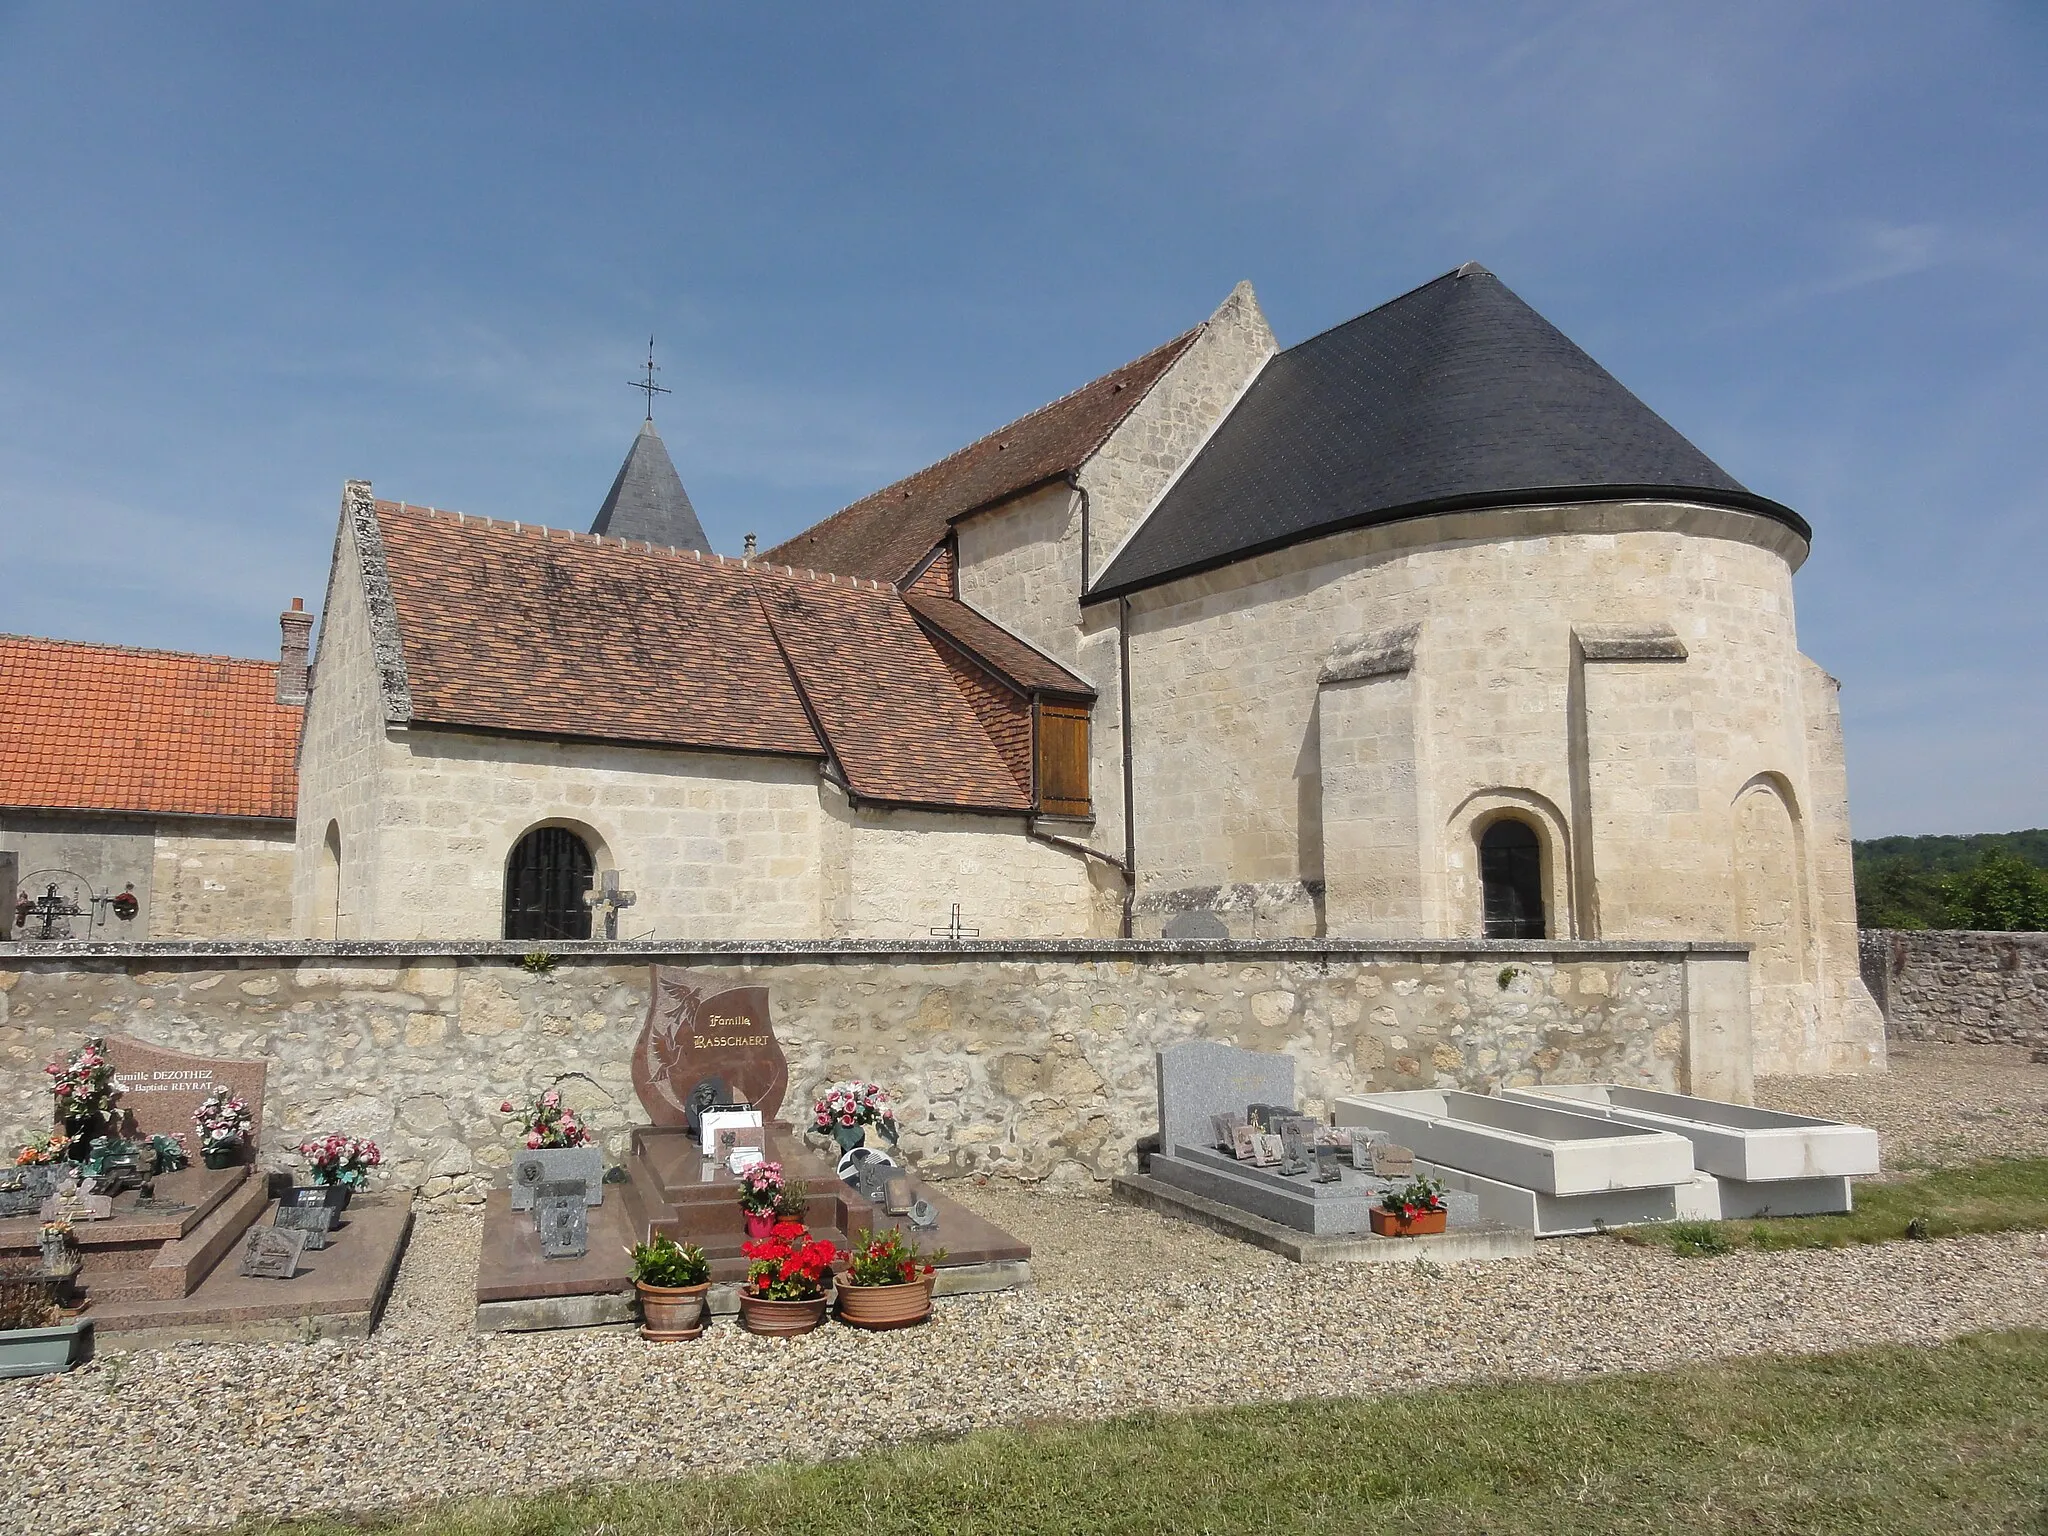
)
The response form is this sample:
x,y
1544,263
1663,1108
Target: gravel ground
x,y
426,1408
1936,1105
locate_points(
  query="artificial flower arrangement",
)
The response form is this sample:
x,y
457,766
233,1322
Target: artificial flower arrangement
x,y
887,1258
339,1159
788,1264
84,1090
53,1148
547,1122
223,1123
170,1152
846,1107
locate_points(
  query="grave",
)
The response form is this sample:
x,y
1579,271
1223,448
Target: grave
x,y
1283,1182
1761,1162
710,1048
1549,1170
162,1265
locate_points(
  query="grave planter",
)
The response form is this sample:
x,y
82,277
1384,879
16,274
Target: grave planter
x,y
45,1351
1394,1224
877,1307
672,1312
780,1319
761,1223
221,1157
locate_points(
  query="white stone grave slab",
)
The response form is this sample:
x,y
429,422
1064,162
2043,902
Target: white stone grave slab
x,y
1766,1162
1552,1151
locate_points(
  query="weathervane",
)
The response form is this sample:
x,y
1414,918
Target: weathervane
x,y
647,384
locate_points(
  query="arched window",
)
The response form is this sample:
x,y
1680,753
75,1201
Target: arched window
x,y
545,880
1511,874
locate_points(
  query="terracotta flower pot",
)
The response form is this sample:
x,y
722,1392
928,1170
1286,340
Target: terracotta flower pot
x,y
1394,1224
760,1223
672,1311
885,1306
780,1319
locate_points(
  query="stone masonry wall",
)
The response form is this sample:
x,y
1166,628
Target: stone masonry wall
x,y
1959,987
227,882
1027,1062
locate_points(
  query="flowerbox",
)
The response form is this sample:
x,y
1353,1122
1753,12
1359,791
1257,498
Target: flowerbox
x,y
1394,1224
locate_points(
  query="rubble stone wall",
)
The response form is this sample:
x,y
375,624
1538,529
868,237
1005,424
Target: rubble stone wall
x,y
1031,1062
1960,987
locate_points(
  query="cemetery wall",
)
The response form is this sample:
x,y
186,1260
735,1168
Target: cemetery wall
x,y
193,877
1032,1061
1960,987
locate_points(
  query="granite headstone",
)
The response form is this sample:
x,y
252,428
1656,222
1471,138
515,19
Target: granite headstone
x,y
161,1088
1201,1078
697,1030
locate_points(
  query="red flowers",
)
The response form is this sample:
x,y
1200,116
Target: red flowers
x,y
789,1264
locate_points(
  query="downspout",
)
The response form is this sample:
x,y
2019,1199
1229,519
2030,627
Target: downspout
x,y
1074,479
1123,688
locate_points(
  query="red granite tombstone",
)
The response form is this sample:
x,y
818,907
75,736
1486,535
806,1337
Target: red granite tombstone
x,y
161,1088
700,1037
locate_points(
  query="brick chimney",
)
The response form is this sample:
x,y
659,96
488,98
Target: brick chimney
x,y
292,651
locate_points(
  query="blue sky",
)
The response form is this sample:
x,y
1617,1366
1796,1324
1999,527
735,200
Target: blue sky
x,y
248,252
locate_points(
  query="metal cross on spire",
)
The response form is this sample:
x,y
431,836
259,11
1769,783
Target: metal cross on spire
x,y
647,384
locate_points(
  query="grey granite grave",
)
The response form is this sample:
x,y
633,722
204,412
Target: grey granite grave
x,y
1201,1078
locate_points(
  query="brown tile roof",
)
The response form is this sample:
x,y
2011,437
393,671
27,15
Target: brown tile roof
x,y
995,647
554,633
106,728
540,630
882,536
898,723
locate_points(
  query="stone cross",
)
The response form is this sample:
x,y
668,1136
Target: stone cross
x,y
954,931
609,900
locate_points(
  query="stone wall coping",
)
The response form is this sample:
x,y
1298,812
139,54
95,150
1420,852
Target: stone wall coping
x,y
730,950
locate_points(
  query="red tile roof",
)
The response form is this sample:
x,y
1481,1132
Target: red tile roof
x,y
106,728
547,632
883,535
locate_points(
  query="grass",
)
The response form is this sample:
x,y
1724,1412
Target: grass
x,y
1899,1441
2006,1195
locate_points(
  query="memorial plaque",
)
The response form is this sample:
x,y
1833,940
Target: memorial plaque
x,y
1270,1151
874,1181
23,1190
563,1220
1244,1143
698,1030
334,1196
1329,1164
531,1168
80,1206
1223,1130
1294,1148
272,1253
315,1221
160,1089
923,1215
900,1196
1392,1162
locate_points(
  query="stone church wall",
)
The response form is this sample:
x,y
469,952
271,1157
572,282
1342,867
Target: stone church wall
x,y
1026,1061
194,878
1617,676
1960,987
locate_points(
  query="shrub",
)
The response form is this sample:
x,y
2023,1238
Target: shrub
x,y
672,1265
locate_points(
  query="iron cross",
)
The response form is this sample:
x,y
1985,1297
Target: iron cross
x,y
954,931
609,899
647,385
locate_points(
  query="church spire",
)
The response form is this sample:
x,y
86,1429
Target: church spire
x,y
647,500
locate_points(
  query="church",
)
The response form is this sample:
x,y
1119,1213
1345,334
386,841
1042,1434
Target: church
x,y
1423,628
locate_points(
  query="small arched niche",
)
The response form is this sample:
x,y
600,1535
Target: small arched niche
x,y
1511,880
547,874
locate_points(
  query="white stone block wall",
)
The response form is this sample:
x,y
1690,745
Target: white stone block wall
x,y
221,882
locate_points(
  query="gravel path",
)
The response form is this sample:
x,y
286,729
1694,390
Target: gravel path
x,y
426,1408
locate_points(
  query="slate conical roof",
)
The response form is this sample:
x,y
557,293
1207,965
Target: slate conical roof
x,y
647,500
1453,397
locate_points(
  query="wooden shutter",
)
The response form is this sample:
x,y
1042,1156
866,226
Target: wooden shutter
x,y
1062,758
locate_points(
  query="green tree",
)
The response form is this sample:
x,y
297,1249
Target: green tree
x,y
2003,894
1891,893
